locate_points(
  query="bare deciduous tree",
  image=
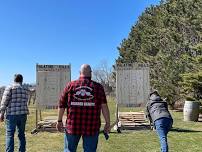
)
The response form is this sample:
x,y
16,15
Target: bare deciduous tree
x,y
104,75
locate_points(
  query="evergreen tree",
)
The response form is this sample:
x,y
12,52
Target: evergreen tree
x,y
167,37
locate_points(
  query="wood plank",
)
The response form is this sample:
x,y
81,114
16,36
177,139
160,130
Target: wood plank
x,y
132,112
133,120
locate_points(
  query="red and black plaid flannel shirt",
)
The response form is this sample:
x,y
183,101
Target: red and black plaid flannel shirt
x,y
83,99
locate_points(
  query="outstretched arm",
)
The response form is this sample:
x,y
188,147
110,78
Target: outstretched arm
x,y
4,103
59,125
106,114
147,114
62,105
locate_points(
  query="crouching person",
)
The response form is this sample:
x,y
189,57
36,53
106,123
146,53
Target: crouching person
x,y
158,114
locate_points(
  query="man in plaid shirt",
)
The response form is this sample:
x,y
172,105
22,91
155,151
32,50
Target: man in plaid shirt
x,y
84,100
14,105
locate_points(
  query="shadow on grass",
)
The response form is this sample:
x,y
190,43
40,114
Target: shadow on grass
x,y
178,110
129,131
122,132
183,130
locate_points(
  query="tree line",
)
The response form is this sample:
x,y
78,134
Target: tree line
x,y
168,37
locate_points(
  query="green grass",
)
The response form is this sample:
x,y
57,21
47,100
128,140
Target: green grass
x,y
187,136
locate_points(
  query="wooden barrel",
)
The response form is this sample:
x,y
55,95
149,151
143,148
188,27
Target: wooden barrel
x,y
191,111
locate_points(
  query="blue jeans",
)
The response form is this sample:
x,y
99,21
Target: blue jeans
x,y
13,121
163,126
89,142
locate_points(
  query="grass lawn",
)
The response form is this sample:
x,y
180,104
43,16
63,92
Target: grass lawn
x,y
185,137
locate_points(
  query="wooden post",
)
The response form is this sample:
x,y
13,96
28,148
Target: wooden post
x,y
40,115
117,116
35,131
36,118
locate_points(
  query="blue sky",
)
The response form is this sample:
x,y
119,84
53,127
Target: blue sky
x,y
63,32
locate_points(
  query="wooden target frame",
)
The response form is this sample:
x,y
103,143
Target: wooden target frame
x,y
51,80
132,90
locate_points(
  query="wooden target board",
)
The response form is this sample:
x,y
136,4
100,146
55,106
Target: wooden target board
x,y
132,84
51,80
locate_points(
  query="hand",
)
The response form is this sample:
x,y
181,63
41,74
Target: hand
x,y
59,126
1,117
107,128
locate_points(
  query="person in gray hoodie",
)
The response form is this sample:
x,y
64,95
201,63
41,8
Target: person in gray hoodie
x,y
158,114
